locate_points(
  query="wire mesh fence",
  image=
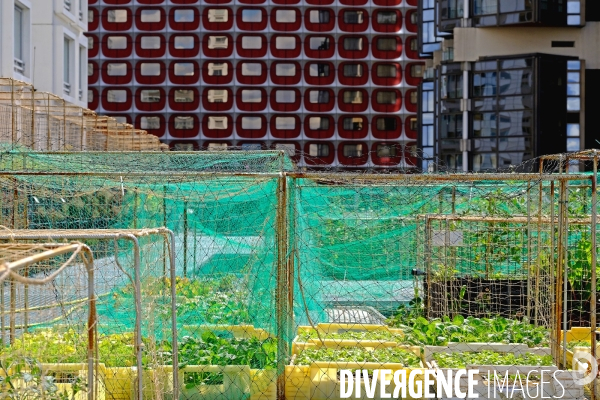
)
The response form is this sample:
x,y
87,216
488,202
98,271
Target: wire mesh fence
x,y
45,122
277,283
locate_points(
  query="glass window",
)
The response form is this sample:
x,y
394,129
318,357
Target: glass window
x,y
416,71
219,42
116,69
285,96
117,15
484,84
353,150
386,97
319,43
353,97
353,17
318,150
150,69
18,39
285,16
90,69
217,146
387,17
217,96
217,122
184,16
318,70
252,123
252,15
252,42
90,96
184,42
387,71
352,124
150,122
150,15
319,16
353,43
67,61
218,69
251,69
386,150
353,70
285,70
318,123
572,129
387,44
414,97
150,42
184,123
184,96
452,86
484,7
91,43
90,16
116,42
285,42
251,96
150,96
184,69
116,96
386,124
221,15
318,96
287,123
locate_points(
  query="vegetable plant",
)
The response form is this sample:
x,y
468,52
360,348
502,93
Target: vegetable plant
x,y
439,332
461,360
22,378
359,354
352,335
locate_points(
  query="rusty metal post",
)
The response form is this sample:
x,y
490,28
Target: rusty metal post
x,y
593,316
185,237
282,283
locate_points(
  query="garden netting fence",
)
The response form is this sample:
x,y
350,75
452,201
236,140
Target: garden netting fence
x,y
266,282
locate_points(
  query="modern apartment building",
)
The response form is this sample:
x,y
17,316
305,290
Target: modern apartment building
x,y
334,82
507,80
43,43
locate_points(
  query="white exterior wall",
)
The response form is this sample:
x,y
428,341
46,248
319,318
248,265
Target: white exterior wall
x,y
45,25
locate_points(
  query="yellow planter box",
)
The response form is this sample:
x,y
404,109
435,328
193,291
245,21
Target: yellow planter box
x,y
65,373
118,382
298,345
576,334
240,382
319,381
238,331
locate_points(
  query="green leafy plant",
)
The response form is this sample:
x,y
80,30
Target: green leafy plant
x,y
49,346
22,378
439,332
462,359
210,349
352,335
578,343
359,354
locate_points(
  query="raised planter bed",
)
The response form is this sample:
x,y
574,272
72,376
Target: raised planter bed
x,y
486,380
336,336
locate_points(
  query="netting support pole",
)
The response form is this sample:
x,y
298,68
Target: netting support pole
x,y
538,274
593,299
185,237
565,245
174,346
528,199
164,209
282,282
138,312
88,260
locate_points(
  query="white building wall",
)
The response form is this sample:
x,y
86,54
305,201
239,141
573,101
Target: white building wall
x,y
45,24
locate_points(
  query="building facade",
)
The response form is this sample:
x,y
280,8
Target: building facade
x,y
506,81
333,82
43,43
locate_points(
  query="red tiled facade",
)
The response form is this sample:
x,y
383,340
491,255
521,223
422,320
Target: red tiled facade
x,y
334,82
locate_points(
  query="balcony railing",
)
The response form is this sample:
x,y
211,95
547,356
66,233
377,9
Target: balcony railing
x,y
67,88
19,66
